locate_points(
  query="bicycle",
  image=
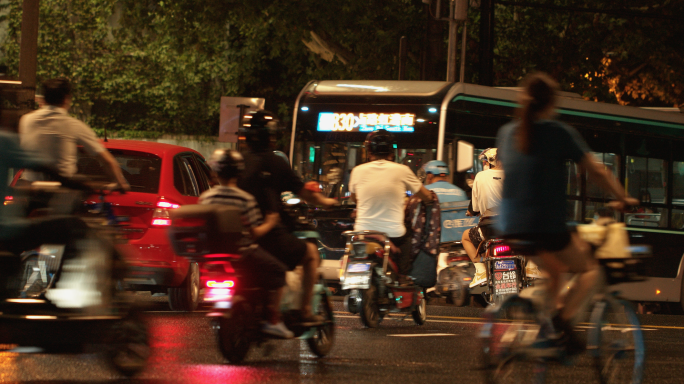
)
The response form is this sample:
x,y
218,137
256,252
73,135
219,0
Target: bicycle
x,y
514,337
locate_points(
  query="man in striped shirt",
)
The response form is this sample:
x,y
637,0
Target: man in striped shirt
x,y
268,272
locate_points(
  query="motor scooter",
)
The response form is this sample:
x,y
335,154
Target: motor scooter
x,y
507,270
211,235
454,279
370,275
63,298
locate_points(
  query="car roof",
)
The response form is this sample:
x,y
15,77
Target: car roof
x,y
159,149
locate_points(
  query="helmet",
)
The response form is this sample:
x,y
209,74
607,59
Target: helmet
x,y
436,167
282,155
259,127
489,155
379,142
226,163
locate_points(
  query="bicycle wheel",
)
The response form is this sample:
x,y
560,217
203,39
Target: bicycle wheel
x,y
507,338
616,342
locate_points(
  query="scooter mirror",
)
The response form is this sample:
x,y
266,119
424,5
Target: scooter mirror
x,y
464,156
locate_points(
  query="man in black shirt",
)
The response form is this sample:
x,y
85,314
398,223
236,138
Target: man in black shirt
x,y
266,176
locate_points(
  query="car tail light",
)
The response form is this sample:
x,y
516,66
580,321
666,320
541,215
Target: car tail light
x,y
220,284
9,200
160,217
167,204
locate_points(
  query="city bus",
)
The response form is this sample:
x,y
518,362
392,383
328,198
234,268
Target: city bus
x,y
644,148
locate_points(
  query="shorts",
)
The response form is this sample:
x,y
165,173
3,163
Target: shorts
x,y
263,269
551,242
285,246
475,236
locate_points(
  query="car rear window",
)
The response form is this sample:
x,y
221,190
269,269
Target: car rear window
x,y
142,170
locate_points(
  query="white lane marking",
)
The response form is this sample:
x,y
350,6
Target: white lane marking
x,y
422,334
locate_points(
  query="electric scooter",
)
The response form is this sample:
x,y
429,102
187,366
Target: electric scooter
x,y
211,235
371,277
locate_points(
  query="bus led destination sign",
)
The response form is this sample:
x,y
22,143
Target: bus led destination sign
x,y
365,122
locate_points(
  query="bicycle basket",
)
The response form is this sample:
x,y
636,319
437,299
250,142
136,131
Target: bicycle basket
x,y
628,269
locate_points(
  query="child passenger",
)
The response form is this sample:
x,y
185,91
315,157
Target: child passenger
x,y
268,272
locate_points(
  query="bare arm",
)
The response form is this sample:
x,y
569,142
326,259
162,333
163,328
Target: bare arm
x,y
316,198
605,179
114,168
424,195
270,221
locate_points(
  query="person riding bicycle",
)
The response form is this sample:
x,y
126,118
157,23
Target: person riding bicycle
x,y
269,272
265,177
379,188
52,132
534,149
18,233
486,198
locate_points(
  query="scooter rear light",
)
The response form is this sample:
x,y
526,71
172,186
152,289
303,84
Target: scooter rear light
x,y
502,250
454,259
220,284
9,200
218,294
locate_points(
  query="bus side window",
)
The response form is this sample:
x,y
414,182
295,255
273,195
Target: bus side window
x,y
646,179
573,189
611,162
678,195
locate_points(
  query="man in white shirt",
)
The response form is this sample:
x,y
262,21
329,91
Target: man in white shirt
x,y
52,132
487,190
379,188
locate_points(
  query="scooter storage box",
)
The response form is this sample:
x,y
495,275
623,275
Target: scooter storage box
x,y
205,229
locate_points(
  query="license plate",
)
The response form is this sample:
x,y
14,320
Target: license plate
x,y
356,282
358,267
504,265
505,282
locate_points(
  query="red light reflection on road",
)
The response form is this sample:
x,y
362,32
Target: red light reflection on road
x,y
202,374
167,338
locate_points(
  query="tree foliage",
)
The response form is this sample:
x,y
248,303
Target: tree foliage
x,y
161,66
604,57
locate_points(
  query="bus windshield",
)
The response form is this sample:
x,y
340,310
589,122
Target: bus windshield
x,y
330,163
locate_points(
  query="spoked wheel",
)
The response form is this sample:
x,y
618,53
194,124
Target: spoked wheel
x,y
420,313
233,333
322,340
369,309
129,348
506,344
617,343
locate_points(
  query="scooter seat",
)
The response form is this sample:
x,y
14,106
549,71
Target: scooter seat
x,y
520,246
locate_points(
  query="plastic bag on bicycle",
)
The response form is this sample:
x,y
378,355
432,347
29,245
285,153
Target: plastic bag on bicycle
x,y
610,242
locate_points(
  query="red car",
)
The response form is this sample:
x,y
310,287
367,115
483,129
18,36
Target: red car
x,y
162,177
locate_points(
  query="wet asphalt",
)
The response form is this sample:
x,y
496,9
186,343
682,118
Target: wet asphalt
x,y
444,350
